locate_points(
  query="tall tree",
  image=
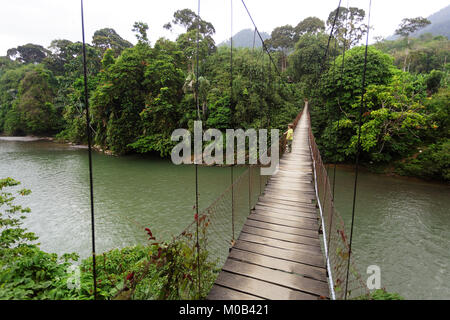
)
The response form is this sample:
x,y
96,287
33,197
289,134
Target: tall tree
x,y
349,27
60,55
191,21
29,53
282,39
34,106
141,28
107,38
307,60
406,28
311,25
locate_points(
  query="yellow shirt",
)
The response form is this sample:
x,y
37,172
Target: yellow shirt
x,y
290,134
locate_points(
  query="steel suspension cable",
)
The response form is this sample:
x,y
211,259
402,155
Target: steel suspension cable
x,y
89,133
325,57
197,218
232,115
338,118
358,146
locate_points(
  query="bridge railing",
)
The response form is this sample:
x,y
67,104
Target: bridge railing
x,y
336,244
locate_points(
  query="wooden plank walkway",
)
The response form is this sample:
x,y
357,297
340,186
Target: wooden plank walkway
x,y
278,254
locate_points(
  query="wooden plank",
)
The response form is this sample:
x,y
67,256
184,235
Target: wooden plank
x,y
308,207
282,222
273,212
279,264
220,293
304,223
284,207
291,192
288,280
292,180
278,228
284,197
261,288
305,208
291,187
281,236
269,199
298,214
306,186
298,197
310,250
274,197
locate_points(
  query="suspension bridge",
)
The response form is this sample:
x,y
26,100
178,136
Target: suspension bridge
x,y
292,243
278,253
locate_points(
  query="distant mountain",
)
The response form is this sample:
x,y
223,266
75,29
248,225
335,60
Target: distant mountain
x,y
440,25
245,38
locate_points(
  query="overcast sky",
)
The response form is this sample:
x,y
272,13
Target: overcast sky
x,y
41,21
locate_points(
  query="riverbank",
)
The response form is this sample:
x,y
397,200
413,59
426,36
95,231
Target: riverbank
x,y
387,171
390,170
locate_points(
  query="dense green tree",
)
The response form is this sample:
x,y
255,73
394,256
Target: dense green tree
x,y
29,53
137,101
6,64
141,30
140,94
61,53
187,42
411,25
107,38
407,27
349,28
340,94
282,38
307,61
9,91
342,88
311,25
422,54
33,112
191,21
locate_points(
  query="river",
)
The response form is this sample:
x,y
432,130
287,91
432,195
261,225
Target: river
x,y
402,225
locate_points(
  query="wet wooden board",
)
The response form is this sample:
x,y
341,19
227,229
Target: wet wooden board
x,y
273,263
282,254
222,293
278,254
307,249
281,236
299,216
276,206
288,202
284,222
279,228
260,288
277,277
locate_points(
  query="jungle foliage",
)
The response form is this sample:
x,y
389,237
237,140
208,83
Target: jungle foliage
x,y
140,93
166,270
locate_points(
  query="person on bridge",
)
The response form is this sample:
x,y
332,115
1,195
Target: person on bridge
x,y
289,137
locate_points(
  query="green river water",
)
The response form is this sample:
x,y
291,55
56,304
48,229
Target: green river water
x,y
402,225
